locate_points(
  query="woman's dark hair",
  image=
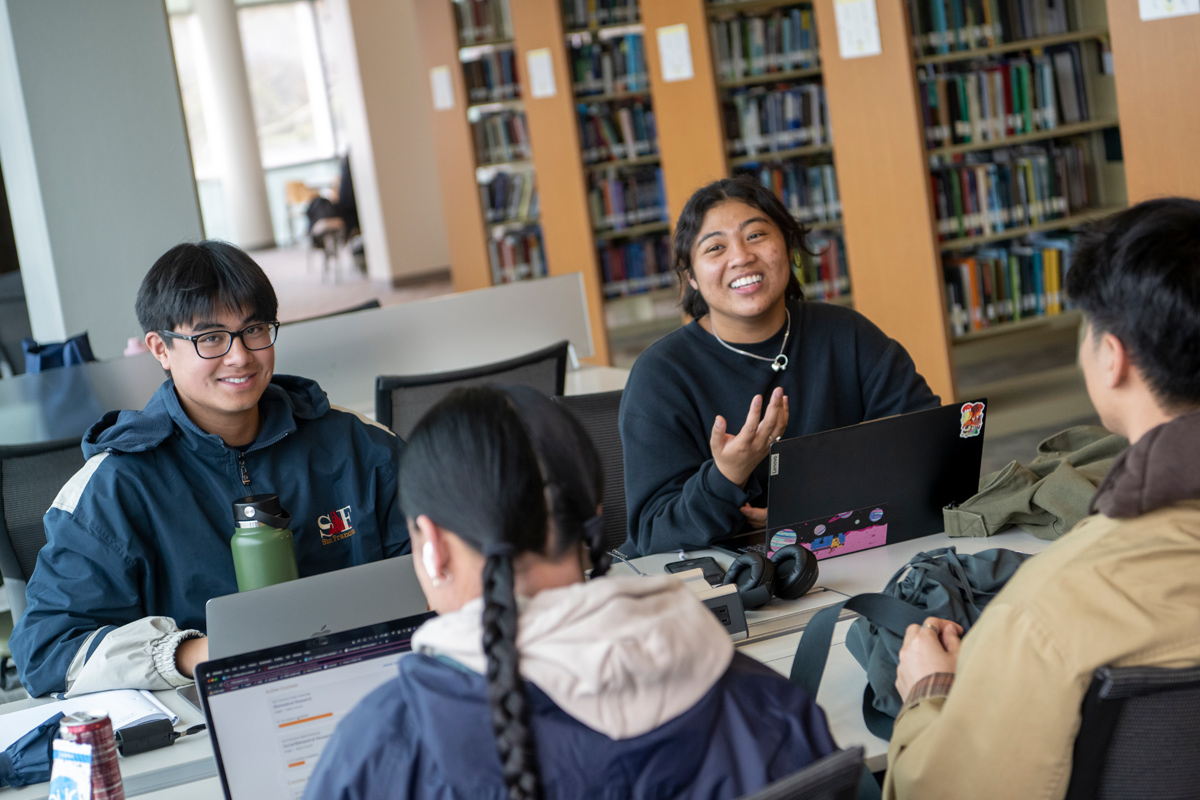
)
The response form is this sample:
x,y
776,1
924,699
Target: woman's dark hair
x,y
1136,275
497,466
749,191
193,281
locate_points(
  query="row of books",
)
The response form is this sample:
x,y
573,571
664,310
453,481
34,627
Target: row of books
x,y
636,266
517,255
610,65
765,119
946,26
809,191
500,137
482,20
747,46
493,76
592,13
824,275
509,196
612,132
620,199
1006,284
1008,98
1024,186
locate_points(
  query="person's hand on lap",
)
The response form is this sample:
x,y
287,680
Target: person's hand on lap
x,y
929,648
737,456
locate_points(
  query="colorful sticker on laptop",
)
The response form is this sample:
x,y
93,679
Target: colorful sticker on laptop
x,y
972,420
842,533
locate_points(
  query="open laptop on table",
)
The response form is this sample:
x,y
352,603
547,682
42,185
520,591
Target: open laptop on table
x,y
876,483
271,711
315,606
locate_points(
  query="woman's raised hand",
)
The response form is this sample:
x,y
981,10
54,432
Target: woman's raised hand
x,y
737,456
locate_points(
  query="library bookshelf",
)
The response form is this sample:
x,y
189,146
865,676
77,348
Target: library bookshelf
x,y
511,138
968,147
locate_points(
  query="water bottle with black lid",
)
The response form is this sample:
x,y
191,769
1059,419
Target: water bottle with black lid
x,y
264,552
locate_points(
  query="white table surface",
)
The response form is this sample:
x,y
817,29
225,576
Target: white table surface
x,y
187,771
843,682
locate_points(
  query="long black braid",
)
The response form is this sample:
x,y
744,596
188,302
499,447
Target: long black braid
x,y
509,472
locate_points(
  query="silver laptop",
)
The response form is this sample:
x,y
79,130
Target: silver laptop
x,y
311,607
271,711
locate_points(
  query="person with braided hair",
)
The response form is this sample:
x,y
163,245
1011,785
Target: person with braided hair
x,y
534,683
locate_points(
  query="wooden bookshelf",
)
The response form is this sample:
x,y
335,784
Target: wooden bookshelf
x,y
624,162
566,224
1036,43
883,177
1157,80
634,231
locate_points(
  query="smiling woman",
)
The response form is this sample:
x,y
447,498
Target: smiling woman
x,y
757,363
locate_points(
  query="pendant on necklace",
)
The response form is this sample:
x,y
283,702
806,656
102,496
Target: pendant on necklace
x,y
780,363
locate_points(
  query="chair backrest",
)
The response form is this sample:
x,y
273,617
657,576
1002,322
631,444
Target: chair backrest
x,y
834,777
598,415
30,478
1139,735
401,400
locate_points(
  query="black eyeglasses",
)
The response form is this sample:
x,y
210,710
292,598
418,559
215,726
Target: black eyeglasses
x,y
214,344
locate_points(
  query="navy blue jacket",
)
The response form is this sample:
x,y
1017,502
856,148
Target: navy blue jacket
x,y
842,370
428,734
144,528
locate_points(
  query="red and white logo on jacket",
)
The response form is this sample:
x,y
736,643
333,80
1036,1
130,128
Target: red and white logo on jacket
x,y
335,525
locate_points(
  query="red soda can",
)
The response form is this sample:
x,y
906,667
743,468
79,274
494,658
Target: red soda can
x,y
95,728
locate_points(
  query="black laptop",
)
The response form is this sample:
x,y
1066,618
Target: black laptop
x,y
270,712
876,483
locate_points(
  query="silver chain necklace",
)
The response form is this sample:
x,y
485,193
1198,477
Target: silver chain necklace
x,y
780,362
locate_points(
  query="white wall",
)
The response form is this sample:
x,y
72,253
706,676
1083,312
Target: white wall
x,y
96,160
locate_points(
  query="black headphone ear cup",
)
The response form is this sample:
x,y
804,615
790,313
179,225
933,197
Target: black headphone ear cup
x,y
796,570
753,575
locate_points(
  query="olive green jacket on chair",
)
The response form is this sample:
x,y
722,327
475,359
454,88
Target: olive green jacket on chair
x,y
1047,497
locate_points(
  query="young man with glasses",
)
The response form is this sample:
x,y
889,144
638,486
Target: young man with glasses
x,y
138,541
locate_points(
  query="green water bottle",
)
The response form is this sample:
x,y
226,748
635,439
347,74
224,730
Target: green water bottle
x,y
263,551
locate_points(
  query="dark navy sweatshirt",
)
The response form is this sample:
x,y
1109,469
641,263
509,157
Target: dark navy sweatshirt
x,y
842,370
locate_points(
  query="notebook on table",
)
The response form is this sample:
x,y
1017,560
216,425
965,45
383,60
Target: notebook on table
x,y
271,711
876,483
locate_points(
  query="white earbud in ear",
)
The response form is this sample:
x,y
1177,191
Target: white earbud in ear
x,y
430,562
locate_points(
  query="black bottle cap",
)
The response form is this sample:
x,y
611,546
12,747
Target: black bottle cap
x,y
260,509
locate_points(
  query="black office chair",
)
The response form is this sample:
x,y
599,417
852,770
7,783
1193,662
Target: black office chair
x,y
834,777
401,400
1139,735
598,415
30,478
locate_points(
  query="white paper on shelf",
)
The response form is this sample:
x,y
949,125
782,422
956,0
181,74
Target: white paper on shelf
x,y
443,88
857,28
541,73
124,707
1163,9
675,53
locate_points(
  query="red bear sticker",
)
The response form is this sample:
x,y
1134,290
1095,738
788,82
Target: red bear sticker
x,y
972,420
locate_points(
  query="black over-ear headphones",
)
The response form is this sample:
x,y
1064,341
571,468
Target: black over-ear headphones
x,y
790,573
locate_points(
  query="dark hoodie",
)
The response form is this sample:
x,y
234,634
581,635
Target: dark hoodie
x,y
144,529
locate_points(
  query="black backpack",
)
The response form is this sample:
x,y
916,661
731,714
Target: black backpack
x,y
940,583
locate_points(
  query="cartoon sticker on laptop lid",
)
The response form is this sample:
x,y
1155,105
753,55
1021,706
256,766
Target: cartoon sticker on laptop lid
x,y
836,535
972,420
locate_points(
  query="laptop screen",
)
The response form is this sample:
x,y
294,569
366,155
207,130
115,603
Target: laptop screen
x,y
271,712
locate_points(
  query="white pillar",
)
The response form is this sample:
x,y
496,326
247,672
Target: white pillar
x,y
96,162
229,118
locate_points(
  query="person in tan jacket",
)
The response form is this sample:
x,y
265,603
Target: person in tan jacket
x,y
995,715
